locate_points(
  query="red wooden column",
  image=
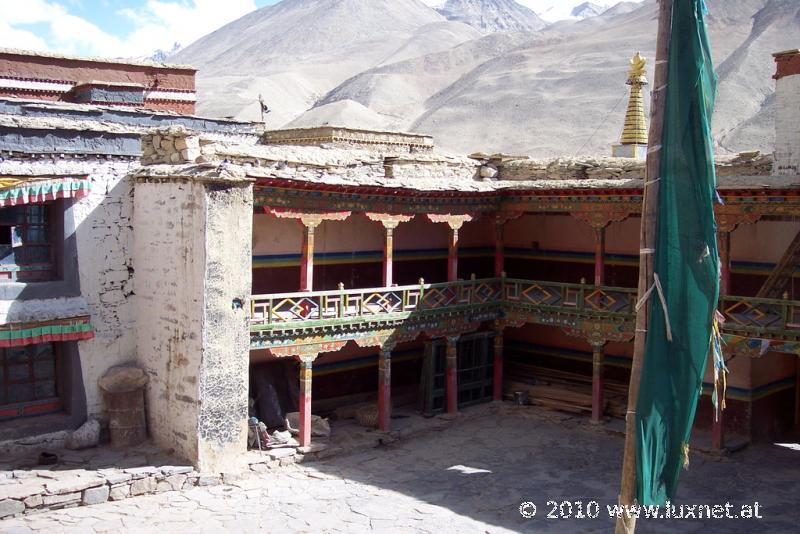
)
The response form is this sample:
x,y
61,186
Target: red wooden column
x,y
452,255
455,222
310,221
307,258
599,256
305,400
390,223
597,382
384,389
451,374
499,249
724,246
497,366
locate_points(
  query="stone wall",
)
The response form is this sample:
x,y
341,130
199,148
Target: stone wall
x,y
744,164
192,307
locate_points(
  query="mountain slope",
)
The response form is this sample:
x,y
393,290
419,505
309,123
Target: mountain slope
x,y
492,15
556,91
297,50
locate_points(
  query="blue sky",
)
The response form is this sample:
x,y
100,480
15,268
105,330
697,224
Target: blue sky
x,y
114,28
131,28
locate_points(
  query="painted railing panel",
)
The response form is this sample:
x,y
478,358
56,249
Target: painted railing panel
x,y
754,316
765,318
369,304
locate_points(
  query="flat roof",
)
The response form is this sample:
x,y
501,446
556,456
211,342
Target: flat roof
x,y
90,59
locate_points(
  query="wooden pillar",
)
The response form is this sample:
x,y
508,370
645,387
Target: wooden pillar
x,y
455,222
724,246
452,255
384,389
305,400
451,374
307,258
598,400
497,366
797,393
599,256
388,255
499,249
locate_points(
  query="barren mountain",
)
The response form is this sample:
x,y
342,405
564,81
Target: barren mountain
x,y
556,91
297,50
588,9
492,15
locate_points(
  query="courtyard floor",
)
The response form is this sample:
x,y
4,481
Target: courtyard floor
x,y
471,477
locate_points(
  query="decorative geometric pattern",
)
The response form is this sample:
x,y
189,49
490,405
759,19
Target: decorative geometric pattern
x,y
575,307
758,315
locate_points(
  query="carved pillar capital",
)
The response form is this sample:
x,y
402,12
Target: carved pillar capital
x,y
455,222
389,221
729,217
310,219
599,217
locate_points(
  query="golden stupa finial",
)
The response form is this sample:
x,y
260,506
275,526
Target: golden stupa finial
x,y
637,73
633,141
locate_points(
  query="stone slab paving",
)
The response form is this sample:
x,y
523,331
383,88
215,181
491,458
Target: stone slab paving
x,y
470,477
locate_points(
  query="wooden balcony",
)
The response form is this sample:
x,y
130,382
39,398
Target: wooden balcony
x,y
349,314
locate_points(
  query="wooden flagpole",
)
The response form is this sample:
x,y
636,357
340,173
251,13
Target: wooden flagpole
x,y
647,240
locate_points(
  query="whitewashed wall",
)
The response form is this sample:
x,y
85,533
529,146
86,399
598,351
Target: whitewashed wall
x,y
101,223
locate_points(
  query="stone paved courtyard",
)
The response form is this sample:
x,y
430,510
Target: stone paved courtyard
x,y
470,477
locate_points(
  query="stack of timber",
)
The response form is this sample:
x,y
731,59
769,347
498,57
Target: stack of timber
x,y
562,390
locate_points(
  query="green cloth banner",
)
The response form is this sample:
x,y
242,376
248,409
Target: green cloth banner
x,y
686,263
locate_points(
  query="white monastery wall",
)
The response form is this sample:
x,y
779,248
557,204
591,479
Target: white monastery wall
x,y
787,126
101,225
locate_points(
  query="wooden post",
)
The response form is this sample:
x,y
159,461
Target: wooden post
x,y
797,393
646,245
451,374
597,383
499,249
497,367
599,259
307,258
388,256
305,400
724,245
452,255
384,389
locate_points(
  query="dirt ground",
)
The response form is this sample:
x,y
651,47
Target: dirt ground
x,y
470,477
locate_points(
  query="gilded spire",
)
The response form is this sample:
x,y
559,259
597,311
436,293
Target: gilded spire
x,y
635,131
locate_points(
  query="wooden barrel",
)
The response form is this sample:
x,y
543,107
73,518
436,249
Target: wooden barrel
x,y
126,418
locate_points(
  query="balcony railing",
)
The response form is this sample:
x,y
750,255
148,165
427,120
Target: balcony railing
x,y
313,308
744,316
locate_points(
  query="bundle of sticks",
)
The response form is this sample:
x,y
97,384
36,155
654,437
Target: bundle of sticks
x,y
562,390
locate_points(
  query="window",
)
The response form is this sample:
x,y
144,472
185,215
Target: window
x,y
28,374
27,253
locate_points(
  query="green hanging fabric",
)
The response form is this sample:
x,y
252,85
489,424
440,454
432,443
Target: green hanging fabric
x,y
686,263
